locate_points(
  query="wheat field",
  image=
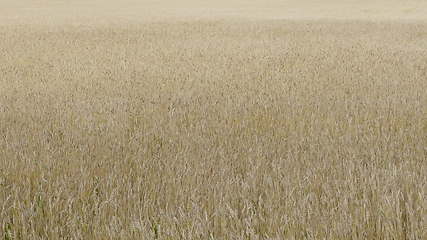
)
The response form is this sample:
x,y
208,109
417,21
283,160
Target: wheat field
x,y
212,128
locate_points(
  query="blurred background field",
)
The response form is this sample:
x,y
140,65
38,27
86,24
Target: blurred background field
x,y
137,11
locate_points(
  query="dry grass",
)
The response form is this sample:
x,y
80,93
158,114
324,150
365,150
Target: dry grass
x,y
214,130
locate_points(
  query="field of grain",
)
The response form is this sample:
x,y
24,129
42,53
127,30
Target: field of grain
x,y
213,129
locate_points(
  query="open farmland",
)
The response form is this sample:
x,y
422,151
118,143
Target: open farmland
x,y
213,125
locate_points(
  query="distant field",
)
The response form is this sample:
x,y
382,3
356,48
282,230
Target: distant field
x,y
55,12
212,129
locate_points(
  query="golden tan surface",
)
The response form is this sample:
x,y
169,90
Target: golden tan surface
x,y
128,126
98,11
